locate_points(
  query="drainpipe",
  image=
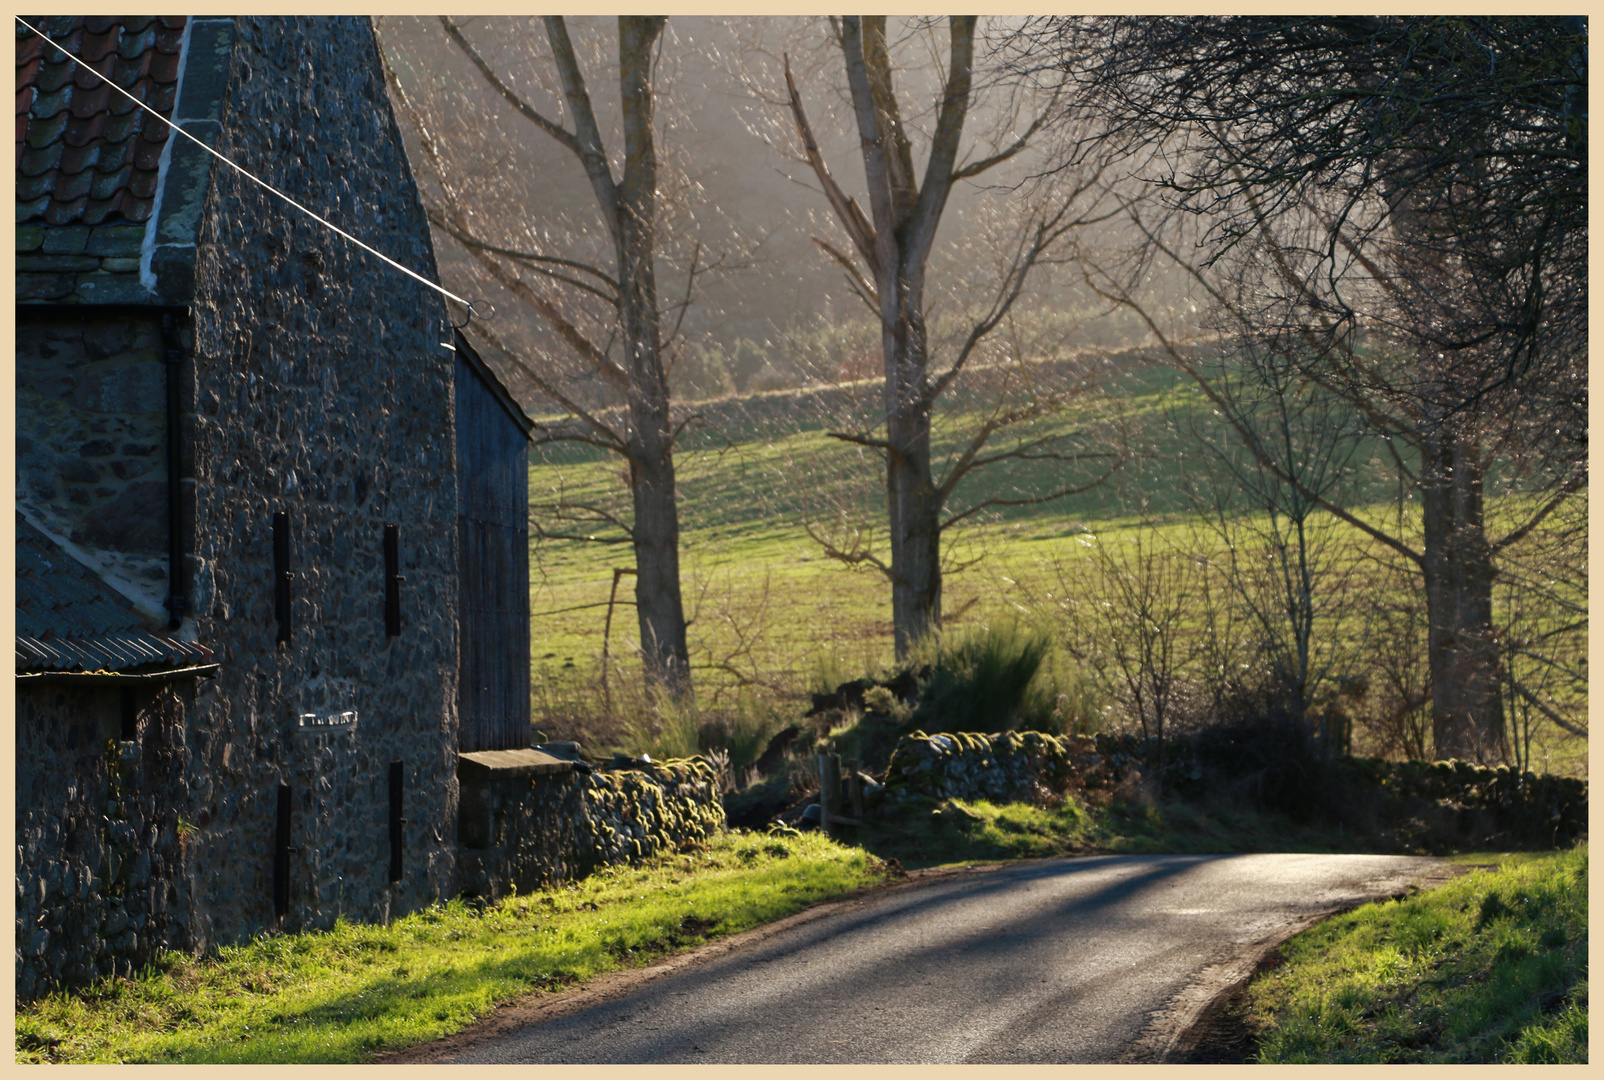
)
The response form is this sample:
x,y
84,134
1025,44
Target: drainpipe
x,y
172,356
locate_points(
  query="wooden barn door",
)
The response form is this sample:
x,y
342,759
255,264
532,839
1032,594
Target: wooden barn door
x,y
493,539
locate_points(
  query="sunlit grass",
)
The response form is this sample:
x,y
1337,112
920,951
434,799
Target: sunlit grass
x,y
1491,967
348,993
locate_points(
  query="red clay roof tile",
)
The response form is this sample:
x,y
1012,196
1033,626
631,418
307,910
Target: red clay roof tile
x,y
30,188
99,44
86,79
136,207
86,103
61,212
163,68
85,153
121,128
53,77
75,159
72,186
80,130
109,185
147,156
40,161
98,210
142,184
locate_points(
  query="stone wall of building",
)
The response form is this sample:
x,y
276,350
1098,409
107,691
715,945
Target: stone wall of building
x,y
100,839
91,466
319,390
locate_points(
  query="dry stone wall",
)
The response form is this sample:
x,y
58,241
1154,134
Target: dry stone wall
x,y
552,828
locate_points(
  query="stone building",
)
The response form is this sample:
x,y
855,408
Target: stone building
x,y
241,499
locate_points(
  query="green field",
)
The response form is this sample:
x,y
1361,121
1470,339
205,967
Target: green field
x,y
771,616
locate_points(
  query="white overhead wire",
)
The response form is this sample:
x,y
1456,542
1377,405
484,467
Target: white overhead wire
x,y
249,176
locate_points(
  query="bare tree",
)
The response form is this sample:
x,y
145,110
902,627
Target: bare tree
x,y
623,349
887,263
1281,557
1411,195
1130,622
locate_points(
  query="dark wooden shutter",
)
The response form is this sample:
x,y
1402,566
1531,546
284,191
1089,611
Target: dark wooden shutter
x,y
493,572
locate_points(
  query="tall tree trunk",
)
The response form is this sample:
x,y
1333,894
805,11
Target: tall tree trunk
x,y
905,217
658,603
914,513
1462,649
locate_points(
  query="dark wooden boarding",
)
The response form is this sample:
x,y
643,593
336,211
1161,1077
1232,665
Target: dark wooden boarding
x,y
493,566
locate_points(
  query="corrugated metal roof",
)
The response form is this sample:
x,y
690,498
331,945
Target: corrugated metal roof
x,y
68,619
116,652
85,153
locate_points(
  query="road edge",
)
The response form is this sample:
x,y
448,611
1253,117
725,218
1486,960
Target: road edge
x,y
1175,1032
541,1006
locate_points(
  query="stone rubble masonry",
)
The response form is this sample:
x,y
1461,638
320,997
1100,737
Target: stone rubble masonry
x,y
90,427
101,847
313,383
1009,766
320,389
546,829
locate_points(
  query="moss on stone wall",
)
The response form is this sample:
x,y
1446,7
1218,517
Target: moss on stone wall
x,y
634,814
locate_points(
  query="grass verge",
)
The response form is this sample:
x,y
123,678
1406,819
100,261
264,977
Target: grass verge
x,y
1491,967
348,993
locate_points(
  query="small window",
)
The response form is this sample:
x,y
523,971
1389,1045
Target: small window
x,y
392,580
282,575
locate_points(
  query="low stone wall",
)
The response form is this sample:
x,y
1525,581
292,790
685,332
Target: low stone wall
x,y
533,831
1544,809
1452,798
633,814
1013,766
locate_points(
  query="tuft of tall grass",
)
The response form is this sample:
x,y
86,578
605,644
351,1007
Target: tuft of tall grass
x,y
986,678
684,728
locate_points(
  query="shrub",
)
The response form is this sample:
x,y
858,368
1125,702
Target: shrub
x,y
986,679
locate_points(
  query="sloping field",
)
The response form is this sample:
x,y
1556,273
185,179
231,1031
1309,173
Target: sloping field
x,y
761,483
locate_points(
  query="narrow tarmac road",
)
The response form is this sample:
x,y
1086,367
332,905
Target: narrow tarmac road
x,y
1066,960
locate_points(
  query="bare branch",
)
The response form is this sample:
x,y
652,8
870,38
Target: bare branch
x,y
860,285
1572,484
978,167
550,127
1544,708
1035,500
607,436
857,555
588,143
1249,438
467,239
846,210
608,368
861,440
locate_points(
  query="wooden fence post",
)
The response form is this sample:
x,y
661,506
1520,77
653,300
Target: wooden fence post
x,y
830,794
